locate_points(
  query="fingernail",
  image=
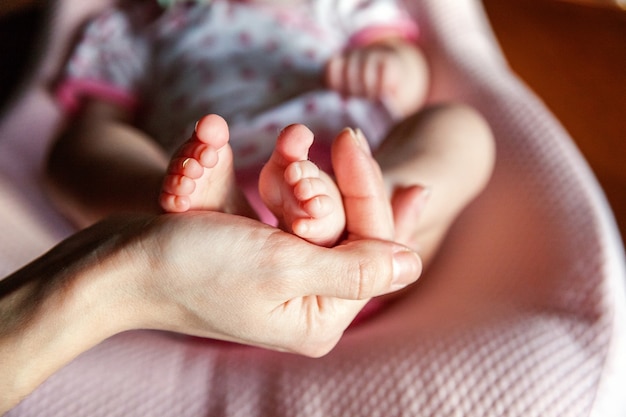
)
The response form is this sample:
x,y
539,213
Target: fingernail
x,y
351,132
185,162
363,141
195,127
407,267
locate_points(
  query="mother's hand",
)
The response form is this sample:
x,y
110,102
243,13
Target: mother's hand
x,y
206,274
231,278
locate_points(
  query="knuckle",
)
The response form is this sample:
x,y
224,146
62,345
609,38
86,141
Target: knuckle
x,y
364,279
320,332
369,271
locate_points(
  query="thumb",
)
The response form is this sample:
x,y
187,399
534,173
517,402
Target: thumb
x,y
359,270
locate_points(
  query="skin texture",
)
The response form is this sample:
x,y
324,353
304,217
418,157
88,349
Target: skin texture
x,y
148,271
390,70
144,271
305,200
434,161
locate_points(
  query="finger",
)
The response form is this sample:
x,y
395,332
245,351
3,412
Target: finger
x,y
368,211
389,77
372,75
333,72
362,269
353,73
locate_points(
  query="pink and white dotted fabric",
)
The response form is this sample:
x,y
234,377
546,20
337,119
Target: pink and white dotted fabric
x,y
522,314
257,64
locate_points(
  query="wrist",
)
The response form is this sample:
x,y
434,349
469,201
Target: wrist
x,y
47,322
58,307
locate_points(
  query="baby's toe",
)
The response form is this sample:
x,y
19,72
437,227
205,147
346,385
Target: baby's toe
x,y
319,206
212,130
296,171
188,167
178,185
293,143
307,188
318,231
171,203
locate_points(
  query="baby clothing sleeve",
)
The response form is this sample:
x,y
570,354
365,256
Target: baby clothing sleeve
x,y
109,63
365,21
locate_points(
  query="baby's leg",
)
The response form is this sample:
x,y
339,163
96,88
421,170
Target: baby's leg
x,y
448,151
305,200
201,175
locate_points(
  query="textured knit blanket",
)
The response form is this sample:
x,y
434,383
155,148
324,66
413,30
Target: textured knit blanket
x,y
523,313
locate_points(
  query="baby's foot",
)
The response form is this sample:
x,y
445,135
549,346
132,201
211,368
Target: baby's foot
x,y
201,175
305,200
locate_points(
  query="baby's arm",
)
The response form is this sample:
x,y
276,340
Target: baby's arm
x,y
390,69
101,164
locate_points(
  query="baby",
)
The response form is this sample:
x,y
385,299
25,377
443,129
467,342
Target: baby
x,y
142,76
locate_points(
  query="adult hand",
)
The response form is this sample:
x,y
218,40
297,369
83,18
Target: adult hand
x,y
200,273
264,287
256,285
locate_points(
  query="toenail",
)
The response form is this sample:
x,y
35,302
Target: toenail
x,y
185,162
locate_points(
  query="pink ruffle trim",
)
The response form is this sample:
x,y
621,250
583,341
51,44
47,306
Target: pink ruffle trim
x,y
71,92
406,29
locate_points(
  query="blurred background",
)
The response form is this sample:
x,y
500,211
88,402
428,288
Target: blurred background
x,y
571,53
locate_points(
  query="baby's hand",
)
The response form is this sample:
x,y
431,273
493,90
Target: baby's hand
x,y
393,71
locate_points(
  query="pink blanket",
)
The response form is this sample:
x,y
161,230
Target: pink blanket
x,y
522,314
